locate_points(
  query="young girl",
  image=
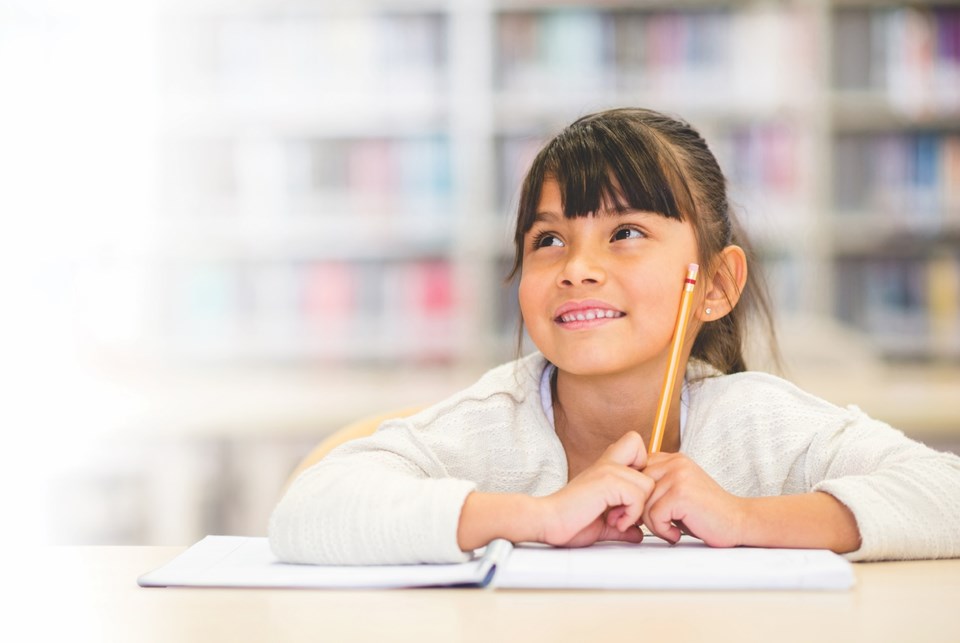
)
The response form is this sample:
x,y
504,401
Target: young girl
x,y
552,448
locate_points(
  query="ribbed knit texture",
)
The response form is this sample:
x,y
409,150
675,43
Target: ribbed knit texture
x,y
396,496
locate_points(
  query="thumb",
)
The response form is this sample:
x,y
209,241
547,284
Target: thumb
x,y
633,534
629,451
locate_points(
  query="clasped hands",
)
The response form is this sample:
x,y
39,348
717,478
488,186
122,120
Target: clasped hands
x,y
626,487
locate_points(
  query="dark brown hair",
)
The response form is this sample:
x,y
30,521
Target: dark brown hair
x,y
643,160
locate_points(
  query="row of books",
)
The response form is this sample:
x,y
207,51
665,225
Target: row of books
x,y
910,54
301,53
910,306
716,54
372,310
767,157
380,165
886,48
910,177
336,174
710,52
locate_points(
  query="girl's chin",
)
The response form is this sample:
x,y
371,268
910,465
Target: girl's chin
x,y
592,366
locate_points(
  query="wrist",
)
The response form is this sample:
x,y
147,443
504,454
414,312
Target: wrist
x,y
487,516
811,520
747,526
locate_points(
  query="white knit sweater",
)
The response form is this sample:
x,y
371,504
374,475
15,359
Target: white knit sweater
x,y
396,496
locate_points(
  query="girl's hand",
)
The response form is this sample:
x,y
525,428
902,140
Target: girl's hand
x,y
687,500
604,502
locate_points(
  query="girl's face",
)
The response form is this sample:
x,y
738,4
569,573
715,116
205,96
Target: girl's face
x,y
600,294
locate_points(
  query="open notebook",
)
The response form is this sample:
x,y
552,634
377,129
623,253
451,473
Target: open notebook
x,y
233,561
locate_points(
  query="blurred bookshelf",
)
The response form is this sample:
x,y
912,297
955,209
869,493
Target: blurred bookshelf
x,y
337,183
336,186
896,193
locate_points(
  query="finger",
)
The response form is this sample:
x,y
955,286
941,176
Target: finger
x,y
683,528
611,476
585,504
661,486
655,500
623,493
633,477
614,515
660,522
634,489
629,451
660,464
633,534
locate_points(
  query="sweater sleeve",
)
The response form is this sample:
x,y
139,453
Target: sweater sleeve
x,y
904,495
382,499
395,497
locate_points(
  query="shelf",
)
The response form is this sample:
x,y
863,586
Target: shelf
x,y
330,236
614,5
865,234
872,111
919,400
518,111
250,402
357,342
342,114
262,8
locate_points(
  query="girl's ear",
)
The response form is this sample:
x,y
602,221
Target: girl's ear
x,y
725,285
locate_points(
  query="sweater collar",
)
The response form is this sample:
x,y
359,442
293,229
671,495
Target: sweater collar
x,y
695,370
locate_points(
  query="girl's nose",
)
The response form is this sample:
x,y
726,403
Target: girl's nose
x,y
581,268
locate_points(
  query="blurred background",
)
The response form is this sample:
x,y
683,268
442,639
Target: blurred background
x,y
232,226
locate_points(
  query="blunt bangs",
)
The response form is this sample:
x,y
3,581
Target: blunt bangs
x,y
596,167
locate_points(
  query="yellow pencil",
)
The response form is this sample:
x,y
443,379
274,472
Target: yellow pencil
x,y
663,406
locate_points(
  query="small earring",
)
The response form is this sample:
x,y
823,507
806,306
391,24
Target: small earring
x,y
708,311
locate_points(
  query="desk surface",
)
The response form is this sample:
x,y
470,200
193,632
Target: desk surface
x,y
90,593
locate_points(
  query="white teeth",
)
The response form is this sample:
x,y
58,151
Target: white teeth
x,y
588,315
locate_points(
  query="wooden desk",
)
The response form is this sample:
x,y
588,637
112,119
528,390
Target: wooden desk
x,y
90,593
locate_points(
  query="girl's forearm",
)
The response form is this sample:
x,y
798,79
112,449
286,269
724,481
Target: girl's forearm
x,y
811,520
486,516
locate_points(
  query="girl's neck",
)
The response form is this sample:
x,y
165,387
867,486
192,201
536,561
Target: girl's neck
x,y
593,412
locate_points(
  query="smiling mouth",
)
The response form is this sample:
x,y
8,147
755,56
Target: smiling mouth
x,y
588,315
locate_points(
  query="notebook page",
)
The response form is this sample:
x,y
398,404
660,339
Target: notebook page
x,y
235,561
654,564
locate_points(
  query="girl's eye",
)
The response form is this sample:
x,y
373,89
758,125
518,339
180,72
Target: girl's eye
x,y
545,239
627,233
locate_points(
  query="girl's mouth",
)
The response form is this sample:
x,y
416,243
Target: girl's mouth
x,y
587,315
